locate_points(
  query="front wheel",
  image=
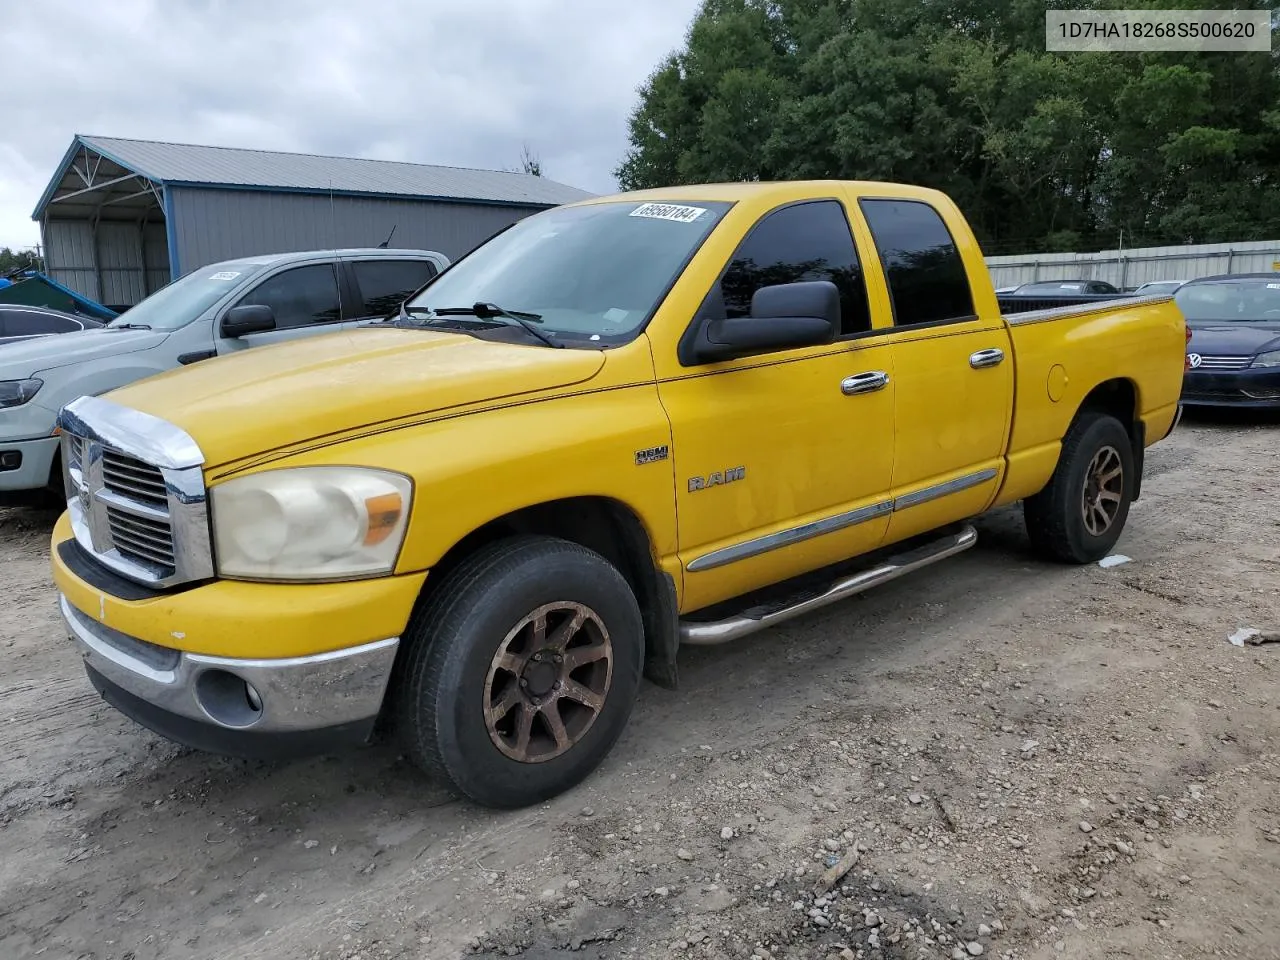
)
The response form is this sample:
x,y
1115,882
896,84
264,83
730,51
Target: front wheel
x,y
520,671
1080,515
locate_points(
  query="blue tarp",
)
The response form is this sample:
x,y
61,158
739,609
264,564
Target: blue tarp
x,y
36,290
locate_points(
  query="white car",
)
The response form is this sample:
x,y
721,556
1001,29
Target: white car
x,y
214,310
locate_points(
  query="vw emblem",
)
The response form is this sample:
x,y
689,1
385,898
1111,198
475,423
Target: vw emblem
x,y
1194,359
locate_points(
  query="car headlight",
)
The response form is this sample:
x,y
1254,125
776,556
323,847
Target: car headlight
x,y
14,393
310,523
1271,359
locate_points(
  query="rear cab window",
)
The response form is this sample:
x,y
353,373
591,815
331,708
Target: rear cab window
x,y
810,240
385,284
928,283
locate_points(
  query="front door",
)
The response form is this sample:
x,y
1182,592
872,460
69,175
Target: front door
x,y
783,461
304,301
954,396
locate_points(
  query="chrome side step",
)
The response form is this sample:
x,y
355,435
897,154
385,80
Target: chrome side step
x,y
761,618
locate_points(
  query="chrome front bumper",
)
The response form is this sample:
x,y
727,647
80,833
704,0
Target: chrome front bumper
x,y
175,693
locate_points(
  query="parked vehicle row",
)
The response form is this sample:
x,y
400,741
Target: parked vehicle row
x,y
617,428
214,311
1233,356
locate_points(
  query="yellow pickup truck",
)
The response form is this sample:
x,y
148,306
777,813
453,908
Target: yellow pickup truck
x,y
615,428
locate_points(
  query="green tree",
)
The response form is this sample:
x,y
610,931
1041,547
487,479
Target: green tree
x,y
1041,150
11,261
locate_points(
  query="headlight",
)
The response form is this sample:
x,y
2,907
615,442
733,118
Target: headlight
x,y
310,523
1271,359
14,393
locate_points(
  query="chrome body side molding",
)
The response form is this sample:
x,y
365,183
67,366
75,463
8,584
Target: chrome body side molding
x,y
784,538
817,528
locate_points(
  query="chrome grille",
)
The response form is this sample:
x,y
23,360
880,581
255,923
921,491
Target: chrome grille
x,y
74,448
1223,363
130,477
135,493
143,539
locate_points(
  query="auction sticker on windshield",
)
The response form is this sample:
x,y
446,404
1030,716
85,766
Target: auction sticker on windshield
x,y
668,211
224,275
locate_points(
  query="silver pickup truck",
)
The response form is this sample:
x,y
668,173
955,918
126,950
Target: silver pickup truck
x,y
214,310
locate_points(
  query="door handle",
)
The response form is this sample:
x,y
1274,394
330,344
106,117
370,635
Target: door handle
x,y
986,358
864,382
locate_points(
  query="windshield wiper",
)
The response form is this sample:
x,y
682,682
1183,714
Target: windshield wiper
x,y
491,311
130,326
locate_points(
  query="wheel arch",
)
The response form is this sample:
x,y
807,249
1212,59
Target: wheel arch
x,y
610,528
1121,398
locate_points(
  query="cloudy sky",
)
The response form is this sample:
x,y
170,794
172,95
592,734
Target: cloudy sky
x,y
460,82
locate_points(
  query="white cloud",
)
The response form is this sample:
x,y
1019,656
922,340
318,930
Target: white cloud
x,y
466,84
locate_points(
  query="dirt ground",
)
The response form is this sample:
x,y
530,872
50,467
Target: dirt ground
x,y
1027,761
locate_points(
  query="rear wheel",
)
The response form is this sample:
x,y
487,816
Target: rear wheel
x,y
520,671
1080,515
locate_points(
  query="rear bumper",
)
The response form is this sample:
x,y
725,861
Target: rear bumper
x,y
252,708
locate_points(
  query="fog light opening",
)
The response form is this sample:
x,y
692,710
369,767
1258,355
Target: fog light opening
x,y
228,700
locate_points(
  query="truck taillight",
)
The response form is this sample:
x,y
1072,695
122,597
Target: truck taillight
x,y
1186,361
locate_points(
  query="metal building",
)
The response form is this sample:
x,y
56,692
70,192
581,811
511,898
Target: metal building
x,y
121,218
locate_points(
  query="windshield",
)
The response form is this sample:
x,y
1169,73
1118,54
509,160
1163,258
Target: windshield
x,y
1054,287
1230,300
594,272
183,300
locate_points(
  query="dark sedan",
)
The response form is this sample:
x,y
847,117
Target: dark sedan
x,y
1233,357
20,322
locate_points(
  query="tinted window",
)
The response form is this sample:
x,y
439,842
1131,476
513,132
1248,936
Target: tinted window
x,y
30,323
927,279
299,297
807,241
385,284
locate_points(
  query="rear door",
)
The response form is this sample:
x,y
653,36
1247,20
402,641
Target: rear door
x,y
953,370
381,285
304,299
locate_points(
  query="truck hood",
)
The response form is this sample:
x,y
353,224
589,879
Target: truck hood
x,y
265,398
1233,338
27,358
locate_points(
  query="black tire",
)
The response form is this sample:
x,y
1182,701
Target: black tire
x,y
446,674
1057,518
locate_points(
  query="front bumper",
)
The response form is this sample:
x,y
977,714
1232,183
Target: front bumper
x,y
241,707
35,461
1258,388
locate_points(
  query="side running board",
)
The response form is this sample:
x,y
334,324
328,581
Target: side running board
x,y
697,633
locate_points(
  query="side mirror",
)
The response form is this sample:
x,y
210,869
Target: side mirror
x,y
783,317
251,318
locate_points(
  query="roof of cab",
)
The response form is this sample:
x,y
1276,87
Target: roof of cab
x,y
766,189
268,258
